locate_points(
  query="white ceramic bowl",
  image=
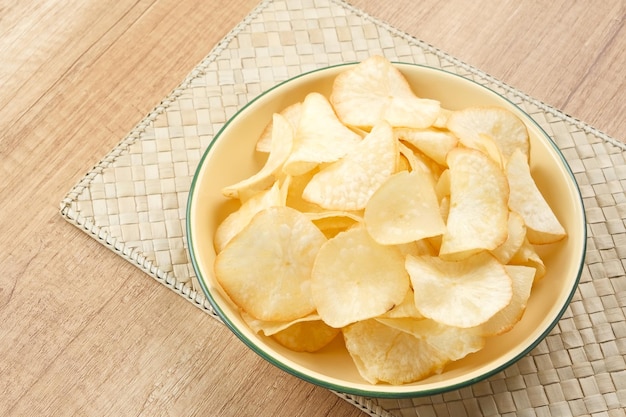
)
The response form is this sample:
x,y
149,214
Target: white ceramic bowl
x,y
231,157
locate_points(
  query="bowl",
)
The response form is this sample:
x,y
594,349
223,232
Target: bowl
x,y
231,156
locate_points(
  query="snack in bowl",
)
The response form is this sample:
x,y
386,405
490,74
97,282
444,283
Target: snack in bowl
x,y
403,233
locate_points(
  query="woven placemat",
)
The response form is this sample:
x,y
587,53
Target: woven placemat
x,y
134,202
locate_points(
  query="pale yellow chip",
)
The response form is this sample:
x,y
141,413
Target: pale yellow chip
x,y
292,114
442,188
354,278
441,121
452,343
506,129
527,255
385,354
266,268
404,209
237,220
418,161
522,278
434,143
375,91
282,141
479,212
319,137
526,199
463,293
514,241
406,309
269,328
349,183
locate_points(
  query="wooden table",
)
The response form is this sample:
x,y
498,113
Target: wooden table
x,y
82,332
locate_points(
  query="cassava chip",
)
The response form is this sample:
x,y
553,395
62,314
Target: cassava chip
x,y
522,281
526,199
348,183
418,161
406,309
463,293
514,241
333,222
404,209
528,256
479,212
354,278
266,268
237,220
306,336
282,141
320,137
385,354
507,130
452,343
269,328
434,143
375,91
292,114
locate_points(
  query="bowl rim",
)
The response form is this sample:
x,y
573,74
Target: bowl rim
x,y
373,392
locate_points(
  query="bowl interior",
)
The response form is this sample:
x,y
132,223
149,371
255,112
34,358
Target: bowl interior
x,y
232,157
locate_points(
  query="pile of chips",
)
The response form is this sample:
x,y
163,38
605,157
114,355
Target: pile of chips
x,y
407,228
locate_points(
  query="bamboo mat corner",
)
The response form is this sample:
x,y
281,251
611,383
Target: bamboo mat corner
x,y
134,201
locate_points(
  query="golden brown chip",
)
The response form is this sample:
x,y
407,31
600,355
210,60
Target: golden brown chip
x,y
306,336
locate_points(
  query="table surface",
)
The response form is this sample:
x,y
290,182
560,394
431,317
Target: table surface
x,y
86,333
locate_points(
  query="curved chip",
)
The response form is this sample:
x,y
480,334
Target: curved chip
x,y
434,143
374,91
522,278
319,137
348,183
237,220
526,199
506,129
478,214
514,241
282,141
292,114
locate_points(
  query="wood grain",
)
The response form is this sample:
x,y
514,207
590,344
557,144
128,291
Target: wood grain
x,y
84,332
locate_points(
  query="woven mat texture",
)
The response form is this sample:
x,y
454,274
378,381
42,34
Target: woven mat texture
x,y
134,202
